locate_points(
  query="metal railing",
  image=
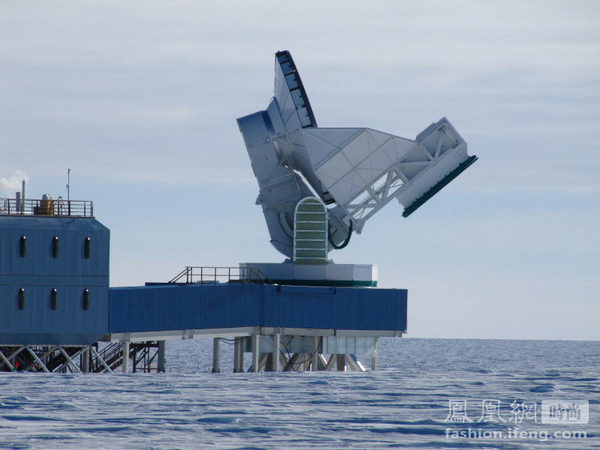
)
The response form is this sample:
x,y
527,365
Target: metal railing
x,y
211,274
46,207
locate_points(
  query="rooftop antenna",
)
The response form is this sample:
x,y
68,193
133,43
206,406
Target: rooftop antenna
x,y
69,186
22,196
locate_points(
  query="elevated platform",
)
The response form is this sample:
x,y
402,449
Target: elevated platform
x,y
319,327
162,312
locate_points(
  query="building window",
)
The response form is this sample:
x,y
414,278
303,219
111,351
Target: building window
x,y
53,299
23,246
22,298
86,299
87,244
55,247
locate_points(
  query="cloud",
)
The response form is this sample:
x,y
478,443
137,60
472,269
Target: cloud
x,y
12,183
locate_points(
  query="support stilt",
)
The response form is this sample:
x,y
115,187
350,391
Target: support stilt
x,y
162,360
85,361
276,351
255,352
238,355
125,350
303,352
374,356
216,355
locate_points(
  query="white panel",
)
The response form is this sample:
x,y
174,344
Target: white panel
x,y
357,149
367,176
292,122
347,187
412,171
377,160
377,138
389,150
335,167
330,271
334,136
402,147
364,272
416,155
317,149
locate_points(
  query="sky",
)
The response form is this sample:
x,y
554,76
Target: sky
x,y
139,100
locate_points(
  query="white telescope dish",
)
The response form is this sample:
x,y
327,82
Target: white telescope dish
x,y
355,171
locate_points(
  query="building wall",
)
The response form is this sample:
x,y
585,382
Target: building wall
x,y
40,271
173,307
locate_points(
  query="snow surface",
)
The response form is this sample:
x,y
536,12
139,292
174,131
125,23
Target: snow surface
x,y
404,404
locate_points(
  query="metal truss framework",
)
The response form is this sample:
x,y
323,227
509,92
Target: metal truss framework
x,y
309,354
299,353
53,359
81,359
389,185
275,349
365,169
271,349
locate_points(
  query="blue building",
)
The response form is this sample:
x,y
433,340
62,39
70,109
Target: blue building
x,y
53,278
57,312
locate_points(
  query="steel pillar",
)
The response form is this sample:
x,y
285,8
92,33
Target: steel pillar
x,y
255,352
341,362
238,355
276,351
125,351
216,355
162,360
85,361
374,356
